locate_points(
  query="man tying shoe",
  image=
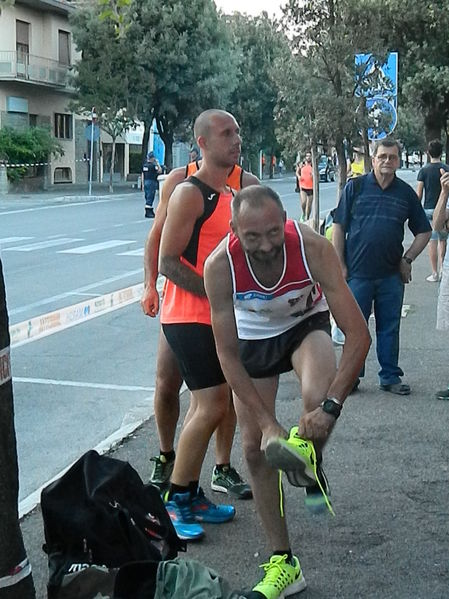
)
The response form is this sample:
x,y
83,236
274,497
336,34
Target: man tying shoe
x,y
265,285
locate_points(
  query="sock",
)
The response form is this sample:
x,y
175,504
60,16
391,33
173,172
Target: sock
x,y
168,455
288,553
193,488
174,489
222,467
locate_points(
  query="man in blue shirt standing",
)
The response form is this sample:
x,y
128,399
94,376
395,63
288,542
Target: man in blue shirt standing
x,y
150,172
368,234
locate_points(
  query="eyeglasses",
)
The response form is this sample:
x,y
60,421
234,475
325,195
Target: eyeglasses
x,y
385,157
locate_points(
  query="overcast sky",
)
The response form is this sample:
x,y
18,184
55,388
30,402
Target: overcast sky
x,y
251,7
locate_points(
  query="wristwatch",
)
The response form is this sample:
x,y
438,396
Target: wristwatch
x,y
407,259
332,406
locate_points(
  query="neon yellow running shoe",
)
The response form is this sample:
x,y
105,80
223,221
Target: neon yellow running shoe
x,y
293,454
281,578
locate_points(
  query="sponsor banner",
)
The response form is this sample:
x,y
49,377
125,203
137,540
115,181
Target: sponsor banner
x,y
53,322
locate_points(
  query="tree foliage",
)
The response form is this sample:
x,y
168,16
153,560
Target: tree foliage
x,y
322,92
26,146
102,78
259,43
418,30
183,60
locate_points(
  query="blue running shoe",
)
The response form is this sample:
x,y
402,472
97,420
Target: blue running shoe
x,y
204,510
179,509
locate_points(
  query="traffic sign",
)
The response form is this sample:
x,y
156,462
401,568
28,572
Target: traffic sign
x,y
88,132
384,117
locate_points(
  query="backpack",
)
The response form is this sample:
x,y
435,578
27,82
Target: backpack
x,y
100,513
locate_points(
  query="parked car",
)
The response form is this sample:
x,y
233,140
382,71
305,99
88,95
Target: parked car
x,y
326,169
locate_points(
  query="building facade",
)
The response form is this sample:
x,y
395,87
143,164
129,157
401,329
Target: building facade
x,y
36,54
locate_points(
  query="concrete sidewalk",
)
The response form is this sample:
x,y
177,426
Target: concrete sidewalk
x,y
387,464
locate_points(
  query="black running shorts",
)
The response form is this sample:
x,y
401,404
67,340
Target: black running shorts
x,y
263,358
194,347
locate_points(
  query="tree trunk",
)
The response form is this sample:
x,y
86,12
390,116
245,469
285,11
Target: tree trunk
x,y
12,550
341,155
316,189
111,169
146,139
434,123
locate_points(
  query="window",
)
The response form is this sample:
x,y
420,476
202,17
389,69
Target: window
x,y
33,120
63,126
22,40
64,47
63,174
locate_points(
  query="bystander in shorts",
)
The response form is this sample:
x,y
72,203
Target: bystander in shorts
x,y
194,347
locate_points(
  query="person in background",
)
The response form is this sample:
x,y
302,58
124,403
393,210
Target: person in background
x,y
356,166
150,171
429,183
368,234
305,175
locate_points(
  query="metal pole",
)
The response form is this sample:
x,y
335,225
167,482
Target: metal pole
x,y
91,161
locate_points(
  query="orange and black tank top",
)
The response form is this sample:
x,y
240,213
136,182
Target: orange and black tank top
x,y
179,305
234,179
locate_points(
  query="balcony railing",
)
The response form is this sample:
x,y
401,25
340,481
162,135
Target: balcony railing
x,y
27,67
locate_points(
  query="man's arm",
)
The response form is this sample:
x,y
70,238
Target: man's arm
x,y
441,213
217,280
325,268
249,179
184,208
150,296
419,190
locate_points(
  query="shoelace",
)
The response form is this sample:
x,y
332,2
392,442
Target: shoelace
x,y
231,475
185,512
317,478
273,569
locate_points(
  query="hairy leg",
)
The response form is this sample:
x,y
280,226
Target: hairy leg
x,y
211,406
264,480
166,394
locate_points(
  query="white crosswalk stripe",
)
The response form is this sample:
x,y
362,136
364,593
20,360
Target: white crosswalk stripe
x,y
13,239
138,252
96,247
31,247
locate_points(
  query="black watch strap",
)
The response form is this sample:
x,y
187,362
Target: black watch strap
x,y
331,406
407,259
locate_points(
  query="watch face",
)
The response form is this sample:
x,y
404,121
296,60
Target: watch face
x,y
331,407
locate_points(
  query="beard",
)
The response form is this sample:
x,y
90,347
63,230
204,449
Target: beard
x,y
266,257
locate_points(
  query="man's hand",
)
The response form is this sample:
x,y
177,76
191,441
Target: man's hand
x,y
150,301
405,271
444,180
271,431
316,425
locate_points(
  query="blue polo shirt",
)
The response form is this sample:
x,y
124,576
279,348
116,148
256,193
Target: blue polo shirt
x,y
374,225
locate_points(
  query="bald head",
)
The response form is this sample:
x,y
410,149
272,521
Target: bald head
x,y
204,120
253,197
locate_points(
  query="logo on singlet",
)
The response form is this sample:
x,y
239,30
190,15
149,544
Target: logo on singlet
x,y
211,197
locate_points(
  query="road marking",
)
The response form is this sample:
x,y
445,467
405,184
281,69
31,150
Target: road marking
x,y
59,320
31,247
96,247
22,379
80,290
138,252
13,239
